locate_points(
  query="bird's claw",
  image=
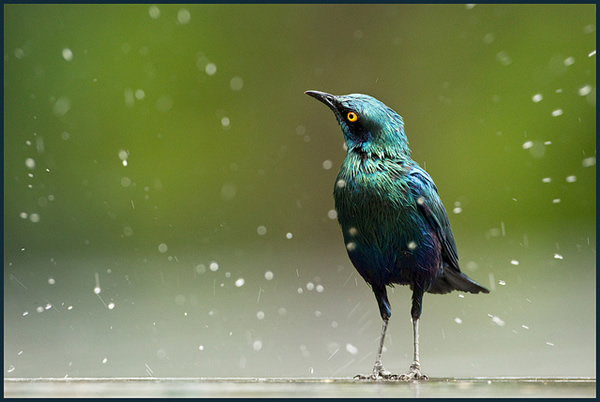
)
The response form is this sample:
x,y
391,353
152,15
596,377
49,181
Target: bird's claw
x,y
378,374
414,374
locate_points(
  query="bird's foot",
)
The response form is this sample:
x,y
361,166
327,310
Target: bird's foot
x,y
378,374
414,374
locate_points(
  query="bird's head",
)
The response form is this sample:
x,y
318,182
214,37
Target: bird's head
x,y
368,125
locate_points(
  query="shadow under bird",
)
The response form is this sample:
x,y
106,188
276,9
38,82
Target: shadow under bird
x,y
394,224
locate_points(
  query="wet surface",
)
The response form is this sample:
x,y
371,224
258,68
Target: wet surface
x,y
298,387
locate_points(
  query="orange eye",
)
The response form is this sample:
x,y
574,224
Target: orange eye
x,y
352,117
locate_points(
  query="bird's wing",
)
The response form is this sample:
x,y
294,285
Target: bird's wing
x,y
431,207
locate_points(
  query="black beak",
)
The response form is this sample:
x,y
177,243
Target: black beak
x,y
324,97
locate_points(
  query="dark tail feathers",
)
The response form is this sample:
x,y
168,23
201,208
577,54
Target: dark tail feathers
x,y
454,280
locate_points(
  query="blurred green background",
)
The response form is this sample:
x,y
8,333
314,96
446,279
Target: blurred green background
x,y
168,187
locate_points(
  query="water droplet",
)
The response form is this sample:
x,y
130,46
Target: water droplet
x,y
210,69
30,163
584,90
67,54
240,282
501,282
458,320
327,164
268,275
556,201
353,350
236,83
257,345
503,58
557,112
571,179
351,246
201,347
261,230
154,12
213,266
260,315
183,16
62,106
164,103
537,97
514,262
549,344
111,306
546,180
496,320
125,181
332,214
162,248
228,191
35,218
587,162
558,256
412,245
319,288
51,281
289,235
569,61
341,183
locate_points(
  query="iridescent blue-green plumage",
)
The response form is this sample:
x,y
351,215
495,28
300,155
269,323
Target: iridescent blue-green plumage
x,y
394,224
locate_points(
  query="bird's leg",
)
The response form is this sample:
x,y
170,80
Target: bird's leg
x,y
378,371
415,367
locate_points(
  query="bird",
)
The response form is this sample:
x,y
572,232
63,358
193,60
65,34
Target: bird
x,y
395,227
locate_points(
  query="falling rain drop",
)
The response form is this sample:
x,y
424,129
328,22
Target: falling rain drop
x,y
210,69
268,275
162,248
154,12
183,16
353,350
236,83
587,162
240,282
67,54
